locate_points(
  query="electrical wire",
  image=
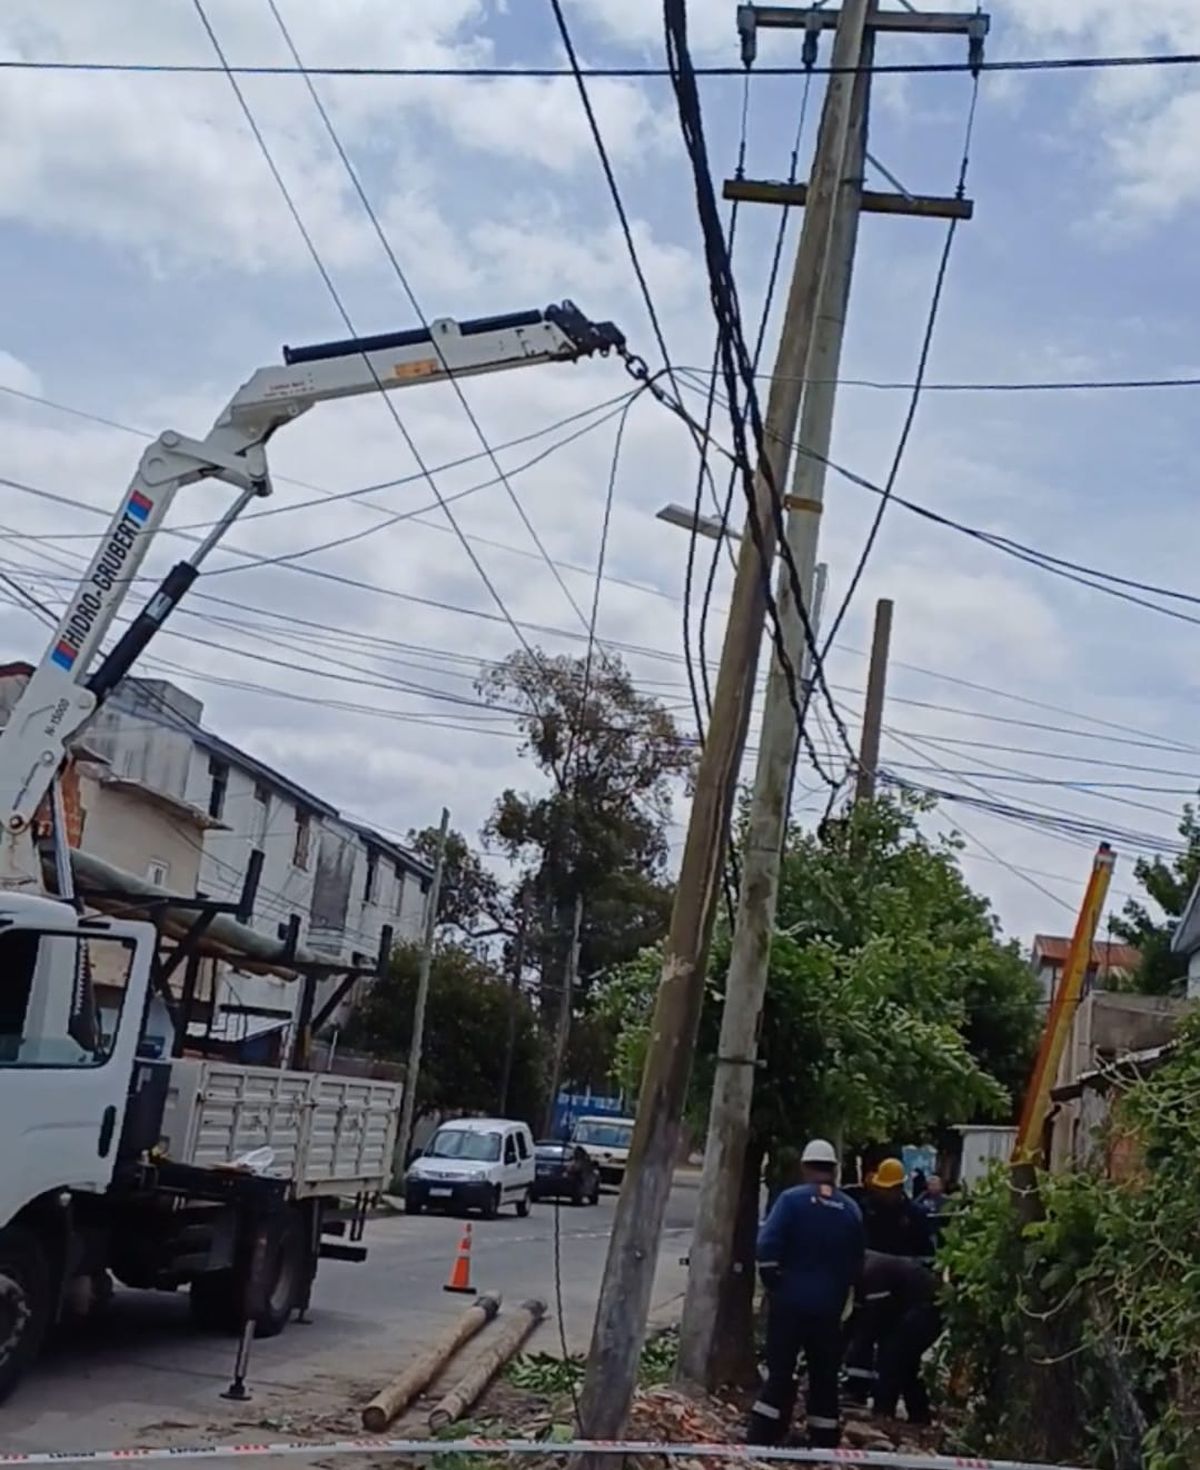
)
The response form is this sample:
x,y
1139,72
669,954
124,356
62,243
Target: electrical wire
x,y
1037,385
340,306
1153,60
725,508
355,496
393,260
618,203
918,381
1082,575
736,366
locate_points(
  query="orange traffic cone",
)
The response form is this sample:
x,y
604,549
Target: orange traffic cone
x,y
460,1272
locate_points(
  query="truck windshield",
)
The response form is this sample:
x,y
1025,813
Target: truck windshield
x,y
603,1135
461,1143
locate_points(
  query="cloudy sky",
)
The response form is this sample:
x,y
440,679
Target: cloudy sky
x,y
150,264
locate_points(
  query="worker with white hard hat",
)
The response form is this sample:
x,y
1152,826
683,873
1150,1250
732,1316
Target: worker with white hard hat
x,y
810,1254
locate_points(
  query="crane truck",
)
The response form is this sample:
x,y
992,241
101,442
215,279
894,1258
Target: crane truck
x,y
116,1161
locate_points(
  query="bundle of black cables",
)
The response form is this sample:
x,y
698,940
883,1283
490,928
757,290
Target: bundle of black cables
x,y
737,365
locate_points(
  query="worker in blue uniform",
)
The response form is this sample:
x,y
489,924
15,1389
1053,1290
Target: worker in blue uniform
x,y
810,1255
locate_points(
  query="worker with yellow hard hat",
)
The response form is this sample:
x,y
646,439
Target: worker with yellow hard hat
x,y
893,1224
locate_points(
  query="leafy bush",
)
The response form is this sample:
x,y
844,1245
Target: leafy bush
x,y
1076,1324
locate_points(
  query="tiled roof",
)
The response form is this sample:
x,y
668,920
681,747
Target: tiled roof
x,y
1052,949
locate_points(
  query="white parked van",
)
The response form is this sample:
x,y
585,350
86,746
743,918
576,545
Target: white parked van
x,y
607,1140
473,1164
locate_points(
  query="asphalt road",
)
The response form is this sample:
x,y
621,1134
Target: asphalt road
x,y
144,1375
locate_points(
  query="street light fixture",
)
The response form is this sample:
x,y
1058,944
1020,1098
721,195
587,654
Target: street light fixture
x,y
710,526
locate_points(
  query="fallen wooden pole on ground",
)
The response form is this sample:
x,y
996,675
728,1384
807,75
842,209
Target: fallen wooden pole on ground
x,y
467,1390
400,1392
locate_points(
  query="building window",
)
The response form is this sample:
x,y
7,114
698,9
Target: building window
x,y
303,840
157,872
399,889
218,787
372,875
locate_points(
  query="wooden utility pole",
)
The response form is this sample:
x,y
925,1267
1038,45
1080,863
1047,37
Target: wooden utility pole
x,y
872,729
563,1028
726,1144
412,1075
710,1257
514,998
637,1227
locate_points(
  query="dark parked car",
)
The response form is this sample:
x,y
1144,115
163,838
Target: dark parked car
x,y
565,1171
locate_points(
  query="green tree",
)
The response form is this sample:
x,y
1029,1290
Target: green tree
x,y
473,904
612,757
892,1004
892,1008
1168,885
467,1019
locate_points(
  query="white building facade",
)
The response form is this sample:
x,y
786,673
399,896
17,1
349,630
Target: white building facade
x,y
175,804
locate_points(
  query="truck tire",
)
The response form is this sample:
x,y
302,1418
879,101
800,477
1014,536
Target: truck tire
x,y
523,1204
25,1303
287,1272
491,1206
220,1300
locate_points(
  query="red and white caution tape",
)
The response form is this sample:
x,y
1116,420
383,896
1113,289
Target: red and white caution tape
x,y
885,1459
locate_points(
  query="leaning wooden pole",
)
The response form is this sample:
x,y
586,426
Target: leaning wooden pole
x,y
396,1396
468,1389
1028,1146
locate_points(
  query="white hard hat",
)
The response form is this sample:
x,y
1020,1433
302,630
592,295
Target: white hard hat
x,y
819,1151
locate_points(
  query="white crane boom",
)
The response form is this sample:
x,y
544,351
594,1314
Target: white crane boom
x,y
61,694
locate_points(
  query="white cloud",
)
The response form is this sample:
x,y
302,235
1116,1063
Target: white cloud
x,y
637,23
1157,165
1144,119
166,168
19,375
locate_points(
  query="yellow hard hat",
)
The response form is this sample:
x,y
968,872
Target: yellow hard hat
x,y
889,1175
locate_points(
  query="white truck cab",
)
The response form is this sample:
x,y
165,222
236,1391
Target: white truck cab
x,y
607,1140
64,1079
473,1164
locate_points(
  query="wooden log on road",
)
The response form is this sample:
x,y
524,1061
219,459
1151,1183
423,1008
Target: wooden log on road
x,y
395,1396
468,1389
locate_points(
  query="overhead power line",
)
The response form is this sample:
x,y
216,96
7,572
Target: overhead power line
x,y
1111,584
499,73
400,274
339,304
1032,385
914,402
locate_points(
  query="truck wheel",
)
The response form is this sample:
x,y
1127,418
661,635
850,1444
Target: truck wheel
x,y
523,1205
220,1300
286,1273
24,1303
492,1206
